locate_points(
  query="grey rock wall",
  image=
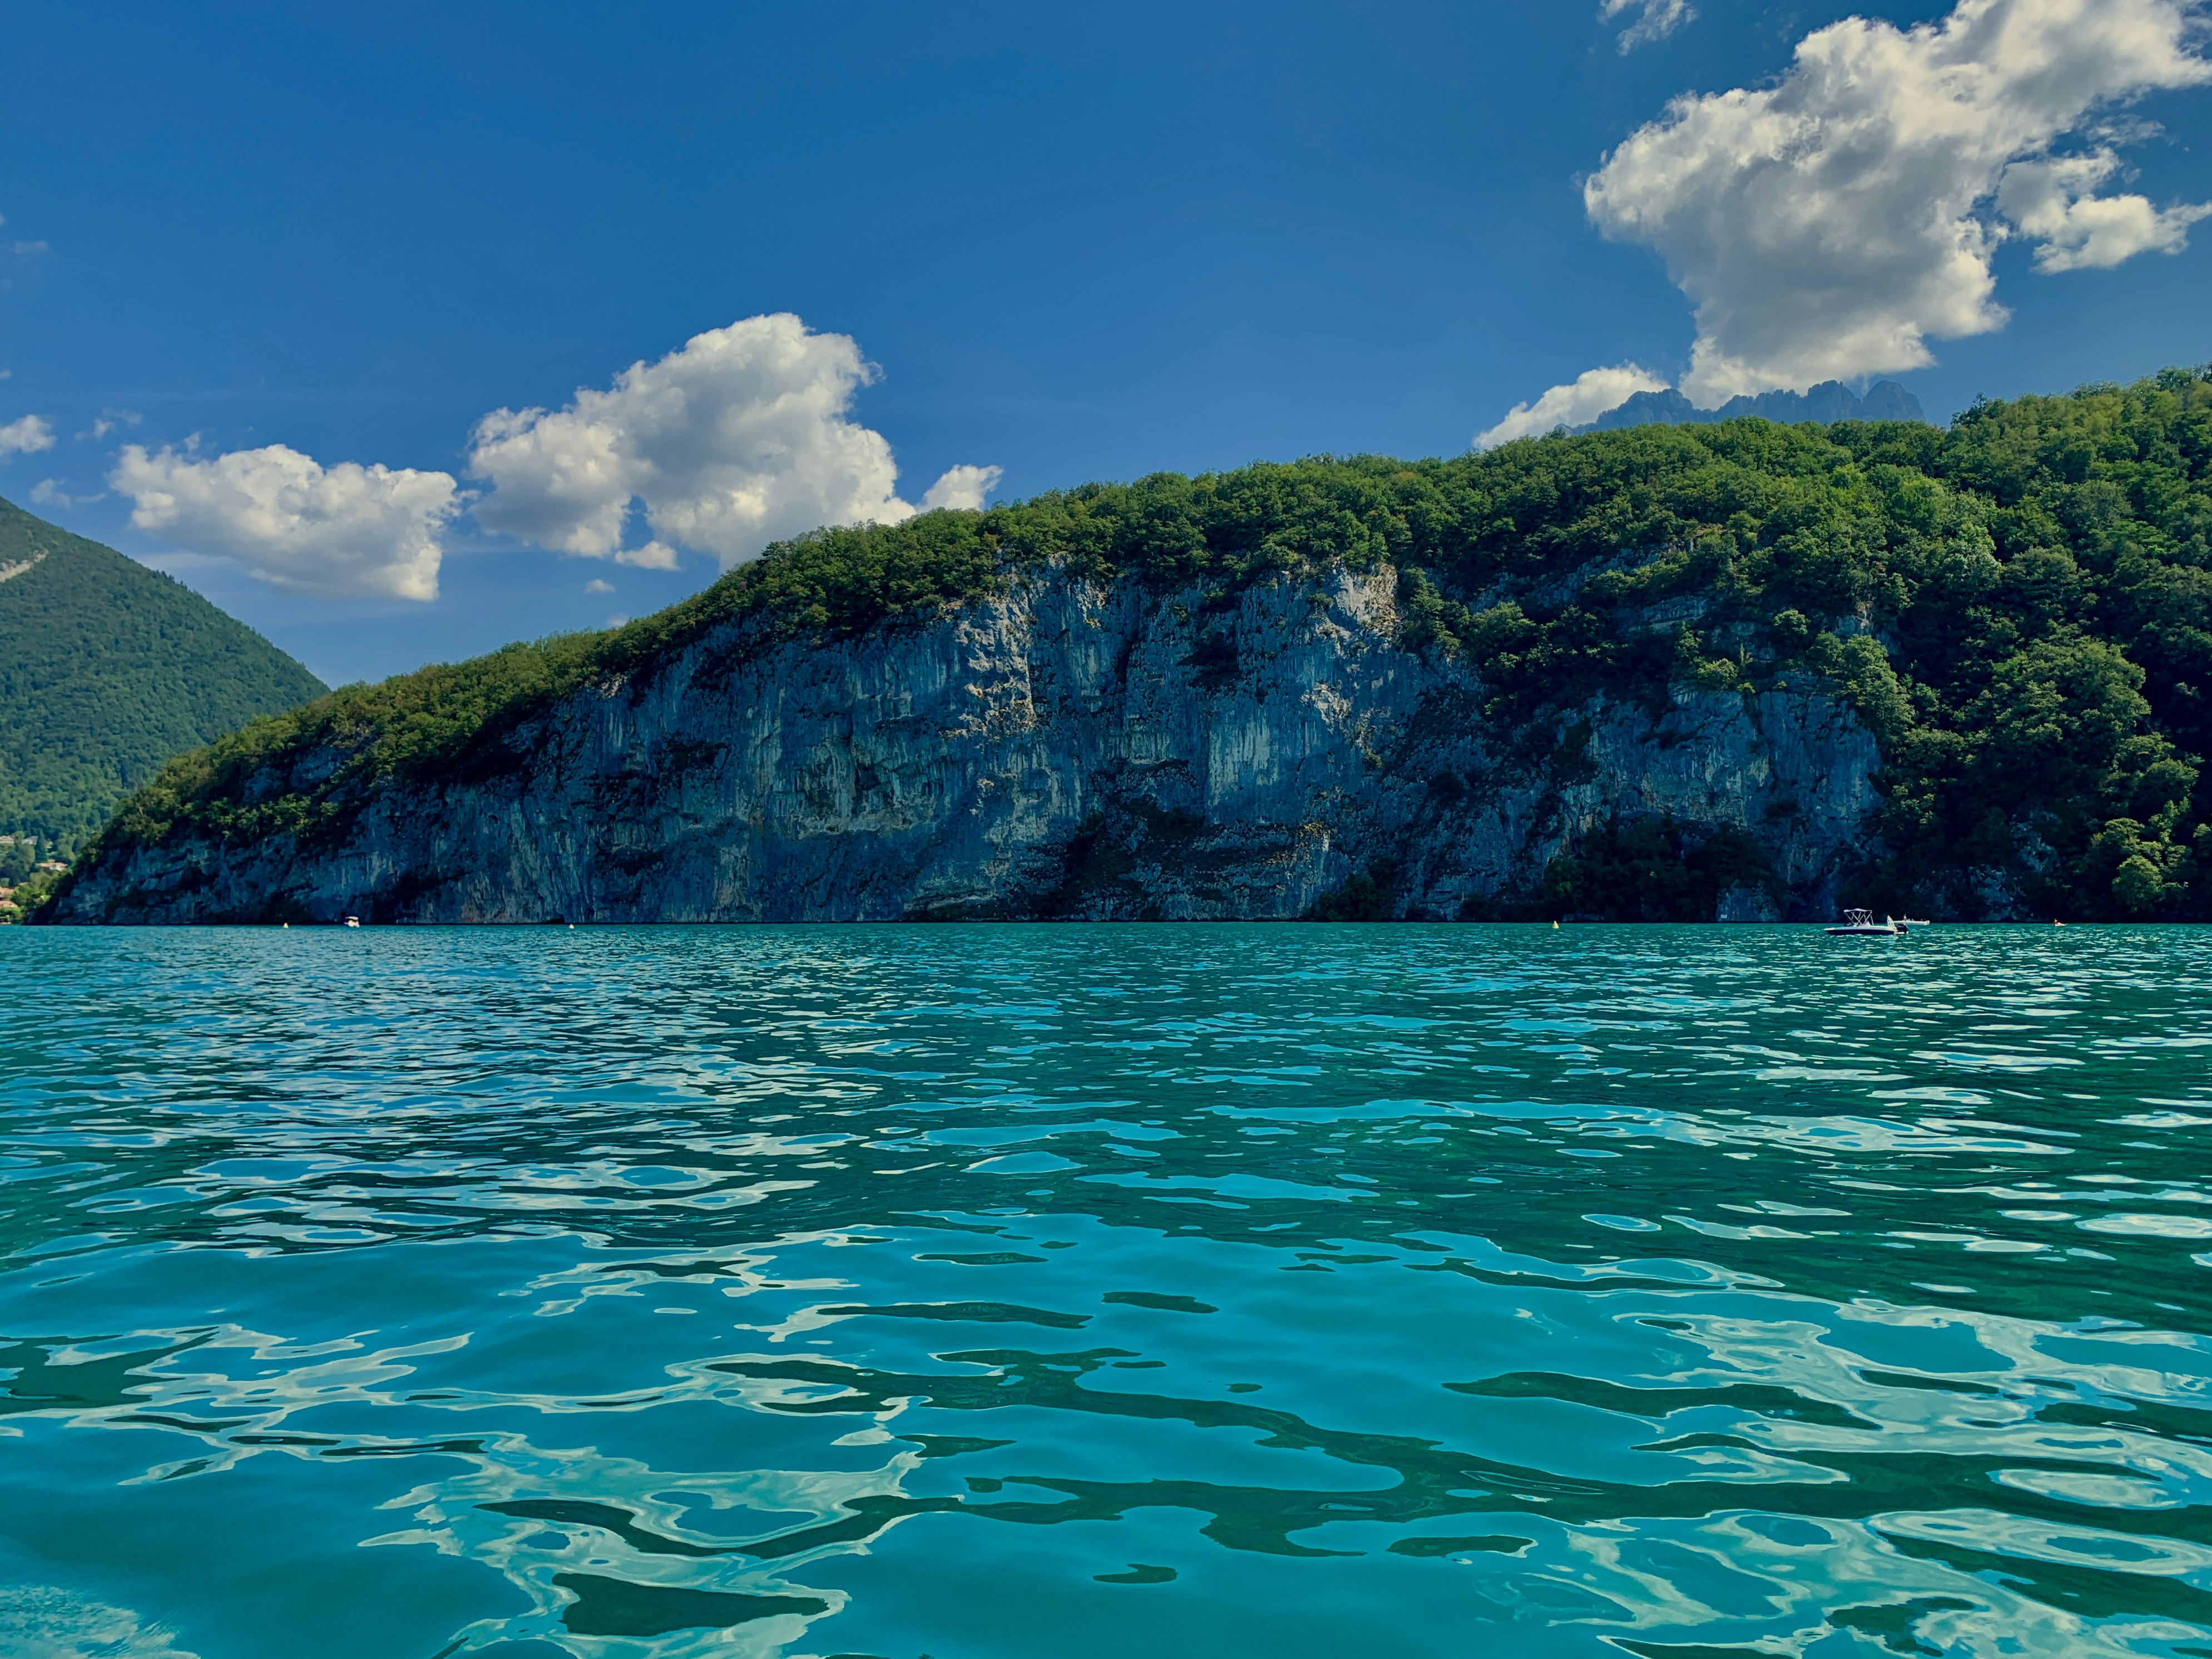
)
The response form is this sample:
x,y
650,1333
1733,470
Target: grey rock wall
x,y
1059,750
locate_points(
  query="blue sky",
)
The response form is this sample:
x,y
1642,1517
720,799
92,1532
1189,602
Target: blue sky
x,y
1078,243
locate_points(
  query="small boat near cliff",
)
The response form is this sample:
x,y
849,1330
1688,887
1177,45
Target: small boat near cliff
x,y
1861,924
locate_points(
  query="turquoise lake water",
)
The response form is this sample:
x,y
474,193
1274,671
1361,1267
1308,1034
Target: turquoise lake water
x,y
1068,1293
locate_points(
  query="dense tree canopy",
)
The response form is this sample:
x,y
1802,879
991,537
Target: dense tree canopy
x,y
2019,606
108,669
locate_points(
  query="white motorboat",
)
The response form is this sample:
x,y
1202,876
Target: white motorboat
x,y
1861,924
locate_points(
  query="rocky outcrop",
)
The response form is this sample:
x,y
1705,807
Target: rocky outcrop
x,y
1058,749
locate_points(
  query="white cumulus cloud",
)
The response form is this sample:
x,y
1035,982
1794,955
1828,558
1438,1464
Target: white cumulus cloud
x,y
1827,226
741,437
1582,401
2054,202
345,531
1655,20
27,436
966,488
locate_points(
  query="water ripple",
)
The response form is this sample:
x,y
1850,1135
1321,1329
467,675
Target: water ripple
x,y
645,1294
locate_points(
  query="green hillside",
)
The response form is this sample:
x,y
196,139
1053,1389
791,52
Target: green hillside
x,y
2020,607
107,670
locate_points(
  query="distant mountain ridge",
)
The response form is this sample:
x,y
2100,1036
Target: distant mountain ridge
x,y
1830,400
107,670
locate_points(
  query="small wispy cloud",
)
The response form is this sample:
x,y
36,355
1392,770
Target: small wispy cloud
x,y
48,492
655,555
597,586
27,436
1655,20
111,419
24,250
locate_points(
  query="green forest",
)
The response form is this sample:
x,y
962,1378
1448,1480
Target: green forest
x,y
107,670
2019,606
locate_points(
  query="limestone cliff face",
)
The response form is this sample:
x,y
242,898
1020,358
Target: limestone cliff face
x,y
1060,750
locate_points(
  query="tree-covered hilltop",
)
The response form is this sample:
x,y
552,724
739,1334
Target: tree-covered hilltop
x,y
107,670
2020,607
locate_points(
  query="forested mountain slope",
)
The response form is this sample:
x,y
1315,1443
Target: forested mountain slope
x,y
107,670
1738,668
